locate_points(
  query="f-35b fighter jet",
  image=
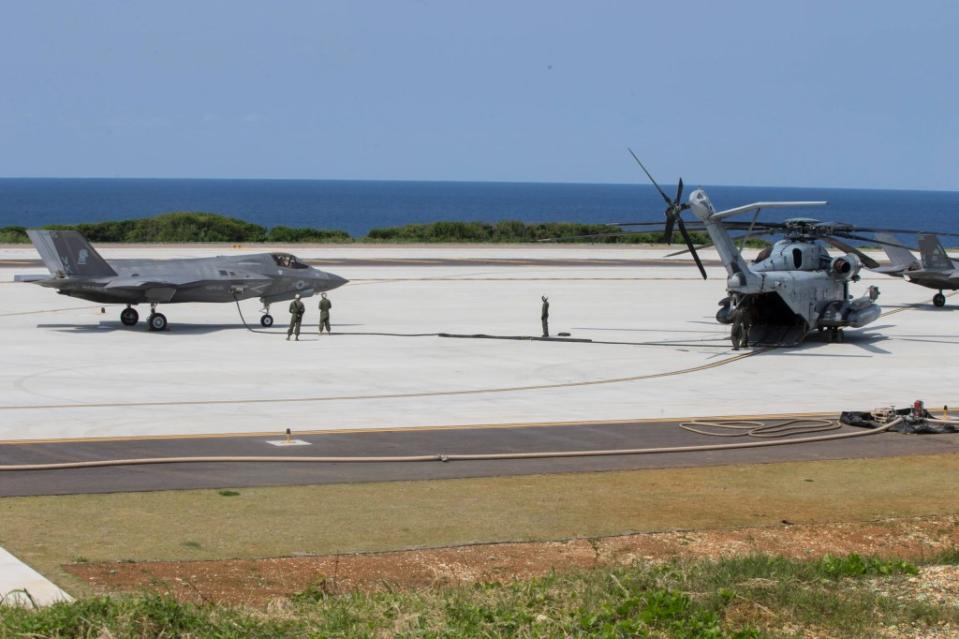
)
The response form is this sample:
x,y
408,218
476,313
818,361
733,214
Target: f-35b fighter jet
x,y
77,270
936,270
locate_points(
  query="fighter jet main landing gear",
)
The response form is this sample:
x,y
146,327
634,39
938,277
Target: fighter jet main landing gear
x,y
156,321
129,316
266,321
939,299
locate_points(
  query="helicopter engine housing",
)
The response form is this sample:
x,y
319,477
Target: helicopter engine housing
x,y
845,267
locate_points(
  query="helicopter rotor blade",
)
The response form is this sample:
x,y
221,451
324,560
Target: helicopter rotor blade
x,y
700,247
668,232
689,244
872,240
568,238
661,192
659,223
866,260
863,229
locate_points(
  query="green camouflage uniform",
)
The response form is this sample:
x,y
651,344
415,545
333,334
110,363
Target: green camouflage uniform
x,y
325,306
296,318
742,324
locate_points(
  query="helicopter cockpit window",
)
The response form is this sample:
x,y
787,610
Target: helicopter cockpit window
x,y
285,260
797,257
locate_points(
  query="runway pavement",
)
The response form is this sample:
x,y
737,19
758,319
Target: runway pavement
x,y
569,437
644,344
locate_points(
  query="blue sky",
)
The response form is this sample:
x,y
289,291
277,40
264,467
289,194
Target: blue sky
x,y
857,94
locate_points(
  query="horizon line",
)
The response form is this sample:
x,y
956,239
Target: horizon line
x,y
451,181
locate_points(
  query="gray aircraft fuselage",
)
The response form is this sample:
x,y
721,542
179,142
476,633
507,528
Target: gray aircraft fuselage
x,y
798,288
205,279
77,270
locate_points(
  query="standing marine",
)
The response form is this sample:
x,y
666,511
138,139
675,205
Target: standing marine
x,y
296,317
544,316
325,306
742,323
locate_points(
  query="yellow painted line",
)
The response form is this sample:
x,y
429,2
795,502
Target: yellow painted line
x,y
453,278
400,429
52,310
911,307
474,391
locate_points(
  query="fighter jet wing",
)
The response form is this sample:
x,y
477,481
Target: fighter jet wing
x,y
932,273
891,269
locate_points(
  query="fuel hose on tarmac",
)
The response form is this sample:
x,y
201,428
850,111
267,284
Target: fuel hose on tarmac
x,y
102,463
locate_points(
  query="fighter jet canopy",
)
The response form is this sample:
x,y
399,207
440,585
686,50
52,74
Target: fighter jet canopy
x,y
286,260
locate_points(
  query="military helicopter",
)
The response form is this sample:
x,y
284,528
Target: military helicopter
x,y
794,287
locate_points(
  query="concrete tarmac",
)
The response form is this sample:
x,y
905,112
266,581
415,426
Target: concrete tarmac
x,y
645,345
592,436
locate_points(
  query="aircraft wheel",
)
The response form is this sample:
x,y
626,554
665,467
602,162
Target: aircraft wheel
x,y
129,317
722,316
266,321
939,299
158,322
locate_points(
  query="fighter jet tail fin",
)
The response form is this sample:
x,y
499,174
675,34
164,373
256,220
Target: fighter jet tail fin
x,y
934,257
900,257
68,254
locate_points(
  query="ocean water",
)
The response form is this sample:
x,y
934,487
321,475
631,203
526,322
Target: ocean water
x,y
358,206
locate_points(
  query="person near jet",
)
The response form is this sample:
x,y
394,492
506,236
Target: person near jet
x,y
325,306
296,317
544,316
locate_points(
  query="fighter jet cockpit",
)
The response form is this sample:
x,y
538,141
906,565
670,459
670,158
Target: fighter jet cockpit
x,y
286,260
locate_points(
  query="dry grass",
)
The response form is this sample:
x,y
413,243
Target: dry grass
x,y
269,522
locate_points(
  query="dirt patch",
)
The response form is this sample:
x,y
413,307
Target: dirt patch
x,y
258,581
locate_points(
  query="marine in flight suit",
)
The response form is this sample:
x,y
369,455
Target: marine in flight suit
x,y
325,306
544,316
296,317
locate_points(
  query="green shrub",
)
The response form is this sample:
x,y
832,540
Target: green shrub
x,y
515,231
289,235
13,235
171,227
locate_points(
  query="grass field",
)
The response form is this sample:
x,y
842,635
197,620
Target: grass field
x,y
751,597
47,532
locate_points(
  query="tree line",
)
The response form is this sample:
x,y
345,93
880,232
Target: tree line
x,y
210,227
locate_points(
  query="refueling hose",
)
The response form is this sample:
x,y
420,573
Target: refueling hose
x,y
759,429
243,319
102,463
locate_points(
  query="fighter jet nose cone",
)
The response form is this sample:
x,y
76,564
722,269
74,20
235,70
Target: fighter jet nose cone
x,y
338,281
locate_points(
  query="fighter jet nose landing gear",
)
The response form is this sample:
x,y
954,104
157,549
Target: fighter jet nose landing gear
x,y
129,316
266,321
156,321
939,299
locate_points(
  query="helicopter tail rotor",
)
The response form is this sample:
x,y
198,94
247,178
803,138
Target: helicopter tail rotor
x,y
673,213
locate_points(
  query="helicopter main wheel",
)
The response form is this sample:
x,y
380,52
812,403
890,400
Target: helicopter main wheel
x,y
157,322
939,299
266,321
129,316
